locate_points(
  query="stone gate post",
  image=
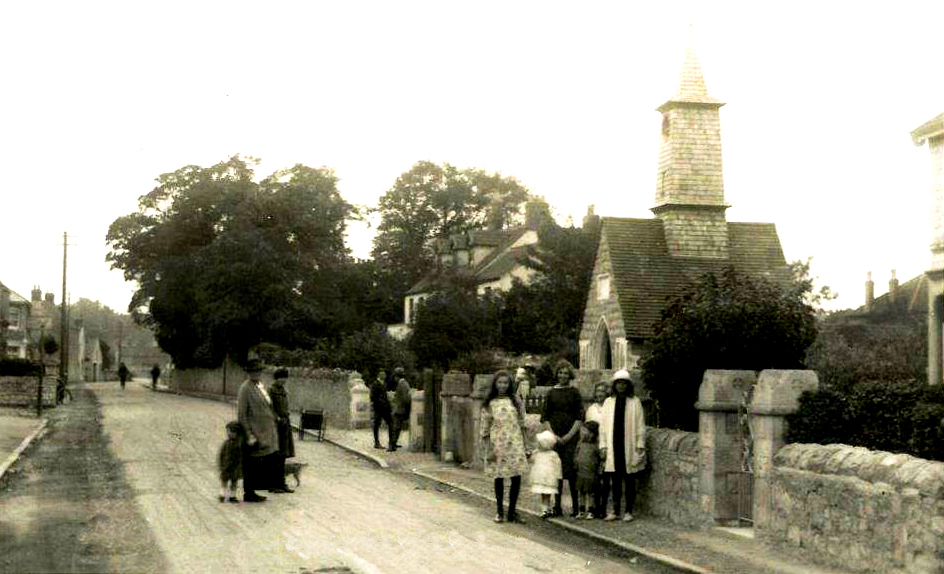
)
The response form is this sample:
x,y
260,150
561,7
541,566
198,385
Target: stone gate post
x,y
418,421
775,397
719,396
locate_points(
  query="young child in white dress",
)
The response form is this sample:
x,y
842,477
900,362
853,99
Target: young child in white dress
x,y
545,470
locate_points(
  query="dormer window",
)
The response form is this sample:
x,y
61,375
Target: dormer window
x,y
603,287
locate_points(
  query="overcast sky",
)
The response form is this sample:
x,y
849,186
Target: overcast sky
x,y
98,99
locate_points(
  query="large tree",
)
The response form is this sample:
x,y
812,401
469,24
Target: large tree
x,y
223,262
432,200
545,315
725,321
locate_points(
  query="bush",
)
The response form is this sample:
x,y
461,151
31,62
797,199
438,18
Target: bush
x,y
901,417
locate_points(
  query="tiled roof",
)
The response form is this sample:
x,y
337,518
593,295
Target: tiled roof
x,y
14,296
912,297
646,277
493,266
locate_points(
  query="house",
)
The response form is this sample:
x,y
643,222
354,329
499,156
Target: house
x,y
932,132
492,259
15,310
643,263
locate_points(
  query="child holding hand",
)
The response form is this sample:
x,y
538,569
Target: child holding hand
x,y
546,470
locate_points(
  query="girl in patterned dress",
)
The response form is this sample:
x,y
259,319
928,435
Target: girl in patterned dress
x,y
502,443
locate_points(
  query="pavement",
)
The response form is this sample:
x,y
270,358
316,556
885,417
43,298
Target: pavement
x,y
697,550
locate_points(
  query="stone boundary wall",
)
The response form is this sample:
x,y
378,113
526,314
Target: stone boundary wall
x,y
324,389
861,509
669,487
22,391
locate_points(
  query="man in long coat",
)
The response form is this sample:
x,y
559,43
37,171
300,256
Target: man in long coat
x,y
284,428
402,404
254,412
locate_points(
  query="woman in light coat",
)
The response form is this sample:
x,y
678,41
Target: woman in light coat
x,y
623,440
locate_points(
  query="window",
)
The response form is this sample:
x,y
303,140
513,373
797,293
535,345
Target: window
x,y
603,287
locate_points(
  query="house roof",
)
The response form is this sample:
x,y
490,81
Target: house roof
x,y
14,296
912,297
646,277
929,129
499,261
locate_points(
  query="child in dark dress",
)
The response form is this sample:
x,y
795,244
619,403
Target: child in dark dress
x,y
587,461
231,469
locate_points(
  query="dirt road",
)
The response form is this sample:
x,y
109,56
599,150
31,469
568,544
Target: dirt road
x,y
126,482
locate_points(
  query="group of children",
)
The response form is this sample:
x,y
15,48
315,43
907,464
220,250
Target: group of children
x,y
546,469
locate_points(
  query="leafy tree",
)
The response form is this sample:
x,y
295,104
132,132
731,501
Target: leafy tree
x,y
223,262
546,315
726,321
454,322
430,201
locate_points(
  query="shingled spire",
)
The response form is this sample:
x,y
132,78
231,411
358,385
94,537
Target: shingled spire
x,y
689,186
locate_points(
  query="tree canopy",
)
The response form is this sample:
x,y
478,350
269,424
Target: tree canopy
x,y
432,200
223,262
725,321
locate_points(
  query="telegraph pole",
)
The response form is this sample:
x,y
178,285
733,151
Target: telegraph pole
x,y
64,317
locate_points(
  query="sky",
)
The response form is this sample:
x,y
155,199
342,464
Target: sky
x,y
99,98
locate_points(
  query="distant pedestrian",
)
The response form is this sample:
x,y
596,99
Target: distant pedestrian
x,y
381,407
623,440
545,470
587,461
155,375
283,426
502,440
563,409
402,404
230,461
123,375
255,414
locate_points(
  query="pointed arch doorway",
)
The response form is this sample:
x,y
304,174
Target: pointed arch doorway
x,y
603,351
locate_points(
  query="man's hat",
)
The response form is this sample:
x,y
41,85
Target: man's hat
x,y
254,366
280,373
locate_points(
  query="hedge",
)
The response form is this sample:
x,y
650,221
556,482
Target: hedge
x,y
19,368
900,417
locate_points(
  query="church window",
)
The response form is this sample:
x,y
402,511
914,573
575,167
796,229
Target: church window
x,y
603,287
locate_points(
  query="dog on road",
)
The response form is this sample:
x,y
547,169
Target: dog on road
x,y
295,469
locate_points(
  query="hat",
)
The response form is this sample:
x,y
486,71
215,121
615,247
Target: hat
x,y
254,366
546,439
398,371
621,374
280,374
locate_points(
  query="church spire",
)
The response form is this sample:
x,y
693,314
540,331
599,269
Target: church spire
x,y
690,184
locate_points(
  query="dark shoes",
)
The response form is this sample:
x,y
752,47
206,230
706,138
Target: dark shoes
x,y
514,517
378,445
281,490
222,498
232,499
253,497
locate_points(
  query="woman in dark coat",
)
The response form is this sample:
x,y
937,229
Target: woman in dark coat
x,y
563,409
284,428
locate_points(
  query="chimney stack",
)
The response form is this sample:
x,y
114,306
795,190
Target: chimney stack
x,y
50,298
869,291
893,287
36,294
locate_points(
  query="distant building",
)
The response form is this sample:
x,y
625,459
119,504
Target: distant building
x,y
492,259
932,132
642,263
15,311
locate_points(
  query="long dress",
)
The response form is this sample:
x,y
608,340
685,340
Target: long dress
x,y
501,428
562,407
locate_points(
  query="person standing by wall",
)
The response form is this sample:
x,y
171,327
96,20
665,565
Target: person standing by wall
x,y
255,414
623,440
283,427
381,407
402,404
563,409
502,436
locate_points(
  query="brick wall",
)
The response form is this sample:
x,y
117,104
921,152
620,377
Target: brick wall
x,y
860,509
22,391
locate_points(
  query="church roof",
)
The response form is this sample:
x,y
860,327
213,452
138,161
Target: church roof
x,y
646,277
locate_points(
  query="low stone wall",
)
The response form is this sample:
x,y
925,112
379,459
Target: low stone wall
x,y
861,509
324,389
22,391
669,487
